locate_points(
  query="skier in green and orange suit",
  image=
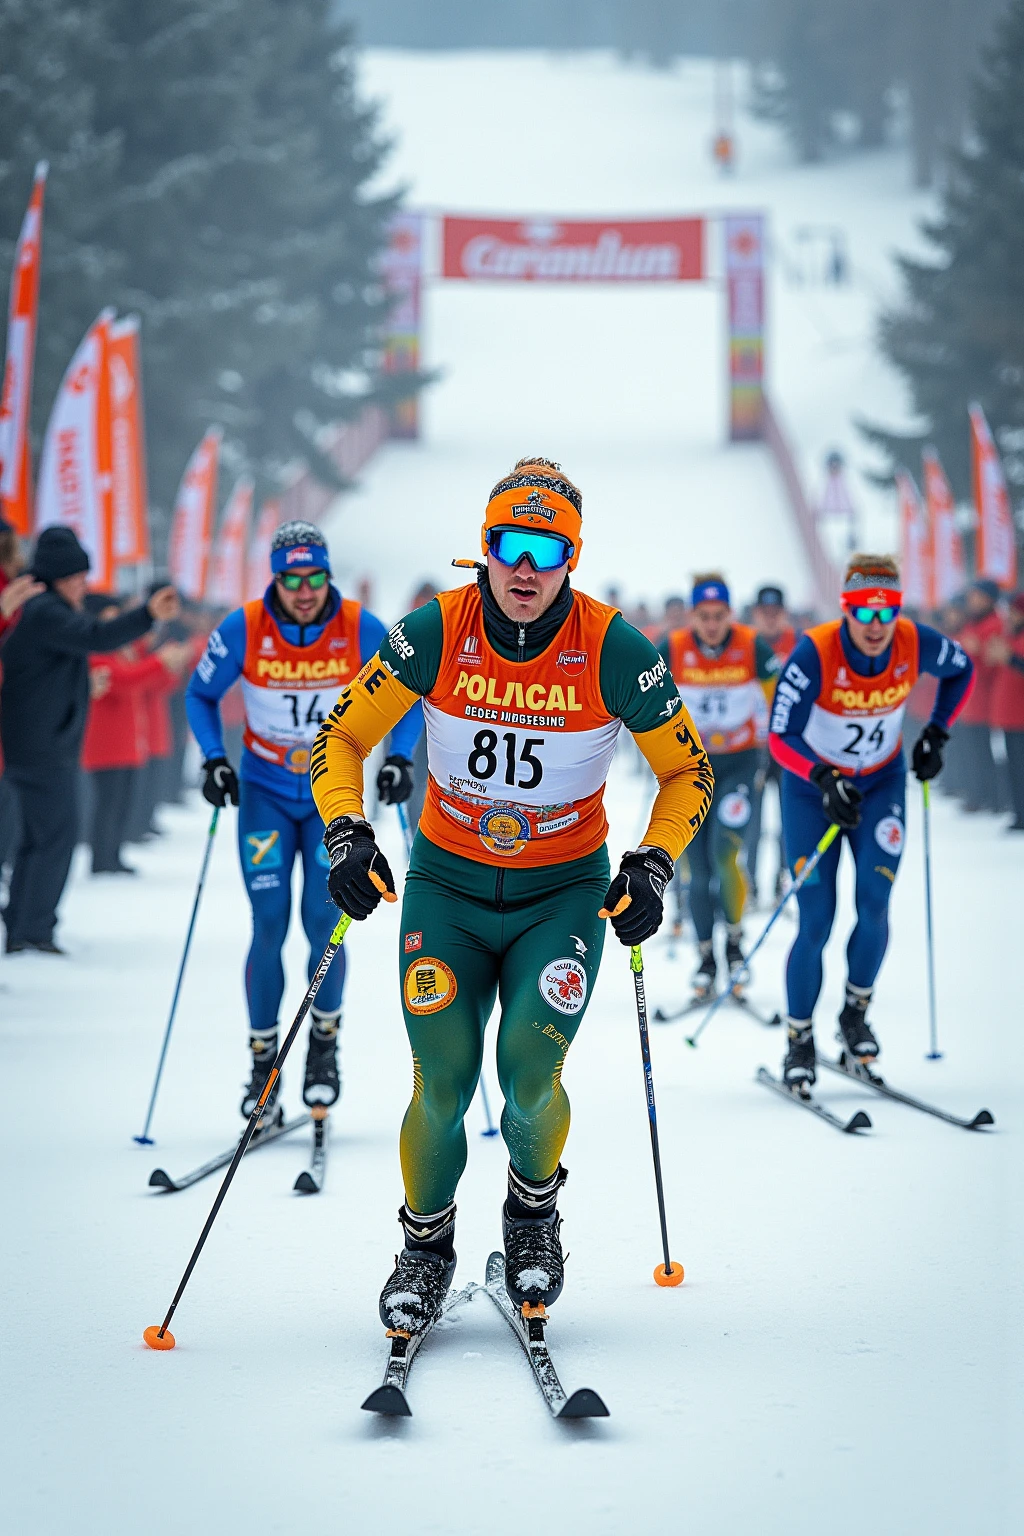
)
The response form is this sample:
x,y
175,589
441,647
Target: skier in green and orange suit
x,y
525,684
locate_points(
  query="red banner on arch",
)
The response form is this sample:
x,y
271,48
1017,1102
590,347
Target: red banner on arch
x,y
573,250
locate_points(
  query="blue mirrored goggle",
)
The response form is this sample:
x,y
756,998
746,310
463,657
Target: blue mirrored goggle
x,y
545,551
865,615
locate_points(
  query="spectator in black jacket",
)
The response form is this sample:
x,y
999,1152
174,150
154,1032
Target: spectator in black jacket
x,y
43,706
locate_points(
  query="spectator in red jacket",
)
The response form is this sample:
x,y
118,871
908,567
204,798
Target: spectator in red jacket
x,y
981,781
1006,654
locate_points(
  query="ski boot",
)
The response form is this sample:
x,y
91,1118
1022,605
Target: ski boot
x,y
263,1044
738,976
799,1070
706,974
322,1085
855,1036
531,1227
414,1295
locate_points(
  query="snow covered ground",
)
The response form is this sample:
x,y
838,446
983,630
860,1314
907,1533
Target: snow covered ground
x,y
845,1354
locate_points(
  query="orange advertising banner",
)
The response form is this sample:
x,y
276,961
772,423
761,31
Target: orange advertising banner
x,y
128,445
225,587
948,567
914,542
996,556
257,567
192,523
16,386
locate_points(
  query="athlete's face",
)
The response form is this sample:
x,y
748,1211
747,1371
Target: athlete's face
x,y
711,622
770,620
871,639
304,606
522,593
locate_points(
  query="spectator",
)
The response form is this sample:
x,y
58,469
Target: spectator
x,y
15,591
43,708
154,703
1006,654
981,781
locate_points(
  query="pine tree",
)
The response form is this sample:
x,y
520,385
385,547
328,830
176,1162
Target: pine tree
x,y
960,335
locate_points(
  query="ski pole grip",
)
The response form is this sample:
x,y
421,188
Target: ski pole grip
x,y
341,928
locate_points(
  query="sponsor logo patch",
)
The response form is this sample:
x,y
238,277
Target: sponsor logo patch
x,y
297,760
504,830
889,835
470,656
263,849
429,986
653,677
734,808
400,643
572,663
563,985
534,507
413,941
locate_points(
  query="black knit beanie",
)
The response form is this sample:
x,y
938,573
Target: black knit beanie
x,y
58,553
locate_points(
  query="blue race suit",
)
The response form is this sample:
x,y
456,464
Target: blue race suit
x,y
277,816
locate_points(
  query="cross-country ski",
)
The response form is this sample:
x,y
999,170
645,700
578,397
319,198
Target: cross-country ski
x,y
160,1179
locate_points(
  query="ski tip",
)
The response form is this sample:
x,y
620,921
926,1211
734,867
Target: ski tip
x,y
158,1179
492,1130
305,1184
157,1340
775,1020
390,1401
691,1041
673,1276
860,1122
983,1117
659,1016
144,1141
584,1404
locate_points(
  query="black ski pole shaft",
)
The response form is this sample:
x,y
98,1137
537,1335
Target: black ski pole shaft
x,y
934,1054
145,1140
159,1338
823,845
666,1273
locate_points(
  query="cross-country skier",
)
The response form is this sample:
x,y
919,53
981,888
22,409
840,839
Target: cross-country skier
x,y
725,674
772,622
526,684
836,730
294,649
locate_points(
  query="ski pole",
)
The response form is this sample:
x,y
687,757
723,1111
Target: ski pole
x,y
492,1129
403,818
666,1273
933,1034
160,1338
824,843
145,1140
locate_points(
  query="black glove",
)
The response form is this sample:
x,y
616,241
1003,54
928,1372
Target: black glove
x,y
360,874
840,796
926,757
635,898
394,781
220,782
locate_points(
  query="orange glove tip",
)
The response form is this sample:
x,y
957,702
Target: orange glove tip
x,y
617,910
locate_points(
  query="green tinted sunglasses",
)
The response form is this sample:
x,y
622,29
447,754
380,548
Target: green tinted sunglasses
x,y
293,580
883,615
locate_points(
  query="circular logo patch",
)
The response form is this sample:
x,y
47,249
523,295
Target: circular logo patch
x,y
297,760
563,985
429,986
734,808
889,835
505,830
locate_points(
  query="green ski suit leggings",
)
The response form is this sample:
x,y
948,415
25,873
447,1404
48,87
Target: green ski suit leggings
x,y
471,933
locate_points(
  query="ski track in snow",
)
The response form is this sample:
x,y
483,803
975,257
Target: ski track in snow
x,y
843,1352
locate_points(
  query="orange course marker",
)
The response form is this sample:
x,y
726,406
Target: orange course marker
x,y
156,1340
662,1276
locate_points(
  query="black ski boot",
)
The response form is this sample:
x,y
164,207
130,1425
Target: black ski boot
x,y
706,974
854,1030
799,1070
414,1295
738,976
263,1045
322,1083
531,1227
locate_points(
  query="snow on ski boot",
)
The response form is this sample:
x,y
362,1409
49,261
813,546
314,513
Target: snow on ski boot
x,y
414,1295
854,1030
706,974
531,1227
738,975
799,1071
322,1083
263,1044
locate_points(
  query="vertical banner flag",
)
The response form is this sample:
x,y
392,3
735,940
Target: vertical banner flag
x,y
996,556
225,587
128,445
402,266
16,384
949,570
192,523
74,471
257,567
914,542
744,280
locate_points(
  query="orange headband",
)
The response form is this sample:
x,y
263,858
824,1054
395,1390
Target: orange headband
x,y
533,496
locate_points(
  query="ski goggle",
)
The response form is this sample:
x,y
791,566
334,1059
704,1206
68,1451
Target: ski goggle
x,y
865,615
292,581
545,551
